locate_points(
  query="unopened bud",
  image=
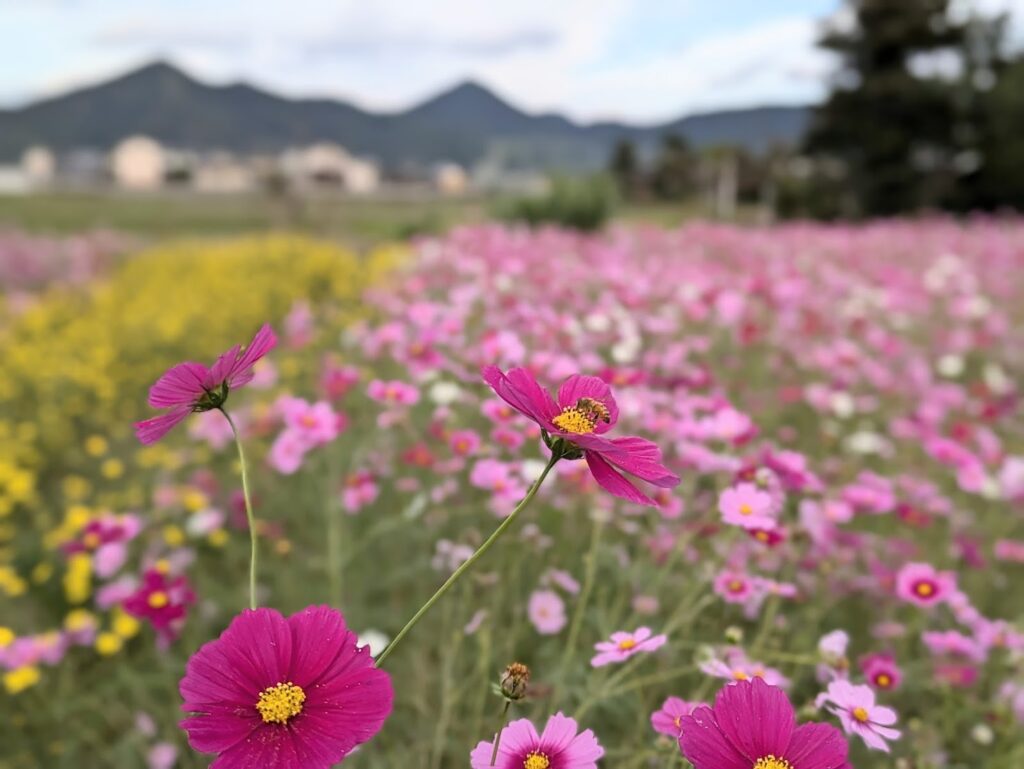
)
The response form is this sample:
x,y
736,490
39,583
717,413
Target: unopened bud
x,y
734,634
514,681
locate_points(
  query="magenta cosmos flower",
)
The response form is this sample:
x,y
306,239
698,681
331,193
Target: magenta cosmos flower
x,y
558,747
190,387
278,693
584,411
922,584
752,726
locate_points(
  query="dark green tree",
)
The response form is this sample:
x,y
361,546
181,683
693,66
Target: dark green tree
x,y
625,169
675,170
893,114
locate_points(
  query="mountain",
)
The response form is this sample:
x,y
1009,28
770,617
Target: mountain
x,y
464,124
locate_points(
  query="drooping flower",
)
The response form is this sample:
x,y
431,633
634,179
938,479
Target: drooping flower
x,y
559,746
295,693
191,387
855,707
624,645
668,720
922,584
584,411
752,726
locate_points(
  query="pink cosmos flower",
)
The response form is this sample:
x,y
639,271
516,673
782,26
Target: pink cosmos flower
x,y
748,506
855,706
464,442
753,724
584,411
881,671
360,490
669,719
295,693
733,587
317,423
190,387
559,746
393,392
546,610
921,584
624,645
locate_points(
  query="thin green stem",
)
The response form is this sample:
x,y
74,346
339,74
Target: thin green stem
x,y
581,606
253,551
468,564
501,728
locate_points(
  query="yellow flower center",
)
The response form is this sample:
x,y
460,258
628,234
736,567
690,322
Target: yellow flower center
x,y
91,540
678,721
740,675
746,509
158,600
536,761
771,762
626,645
280,703
860,714
574,420
883,680
924,589
735,586
308,420
761,536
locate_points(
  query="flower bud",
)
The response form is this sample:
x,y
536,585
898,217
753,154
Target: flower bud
x,y
514,681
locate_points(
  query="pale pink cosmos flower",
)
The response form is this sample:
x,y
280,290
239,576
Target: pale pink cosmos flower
x,y
315,423
213,428
546,610
855,707
463,443
624,645
733,587
191,387
747,506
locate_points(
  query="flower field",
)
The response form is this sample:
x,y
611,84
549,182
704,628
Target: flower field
x,y
720,497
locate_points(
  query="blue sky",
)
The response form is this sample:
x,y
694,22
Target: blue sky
x,y
642,60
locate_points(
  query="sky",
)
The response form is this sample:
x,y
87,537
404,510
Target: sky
x,y
637,60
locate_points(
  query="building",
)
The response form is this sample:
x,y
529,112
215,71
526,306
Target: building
x,y
38,164
221,172
326,165
138,163
451,179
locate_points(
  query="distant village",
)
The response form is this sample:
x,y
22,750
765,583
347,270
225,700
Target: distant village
x,y
140,164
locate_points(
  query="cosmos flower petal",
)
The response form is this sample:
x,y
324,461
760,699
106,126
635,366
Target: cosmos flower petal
x,y
263,342
817,746
757,718
180,385
151,430
614,483
704,744
558,733
579,386
521,391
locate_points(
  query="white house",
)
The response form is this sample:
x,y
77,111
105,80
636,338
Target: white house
x,y
138,163
38,164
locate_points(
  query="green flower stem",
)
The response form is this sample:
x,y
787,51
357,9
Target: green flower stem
x,y
501,729
253,552
468,564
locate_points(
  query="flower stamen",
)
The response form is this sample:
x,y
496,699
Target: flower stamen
x,y
536,760
278,704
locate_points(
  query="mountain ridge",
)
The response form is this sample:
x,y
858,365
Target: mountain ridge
x,y
465,123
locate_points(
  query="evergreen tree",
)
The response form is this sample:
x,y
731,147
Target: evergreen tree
x,y
893,115
674,175
625,169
